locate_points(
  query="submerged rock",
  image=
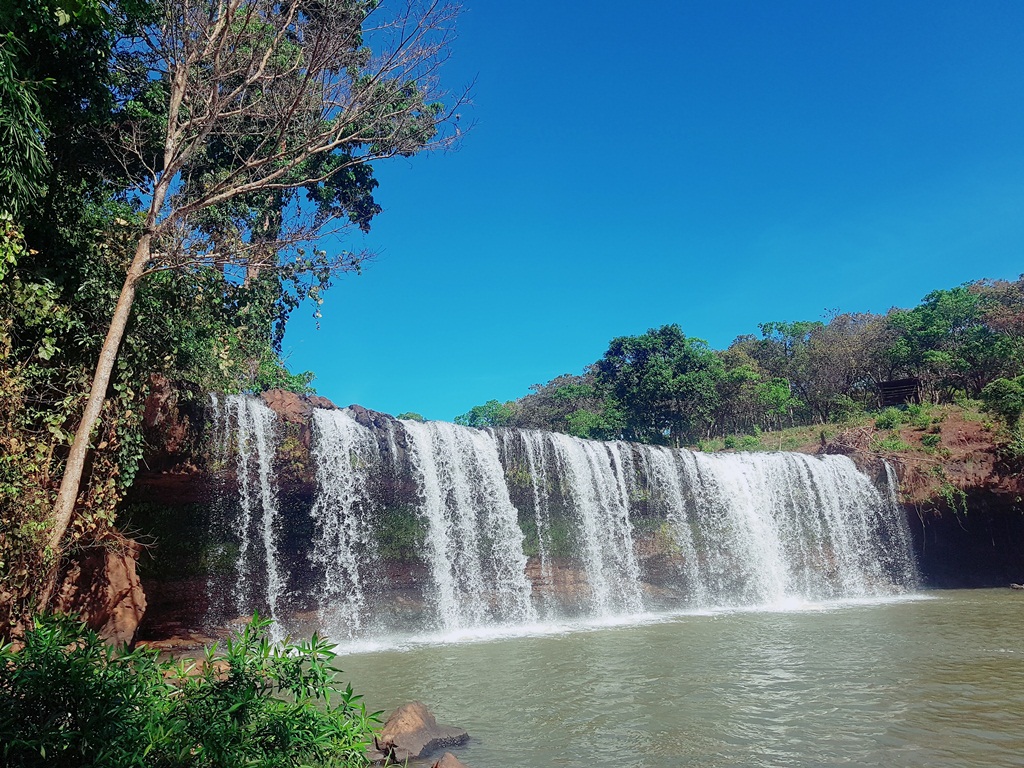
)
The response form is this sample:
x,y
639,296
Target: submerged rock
x,y
412,732
448,760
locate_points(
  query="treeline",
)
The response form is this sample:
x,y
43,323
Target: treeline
x,y
665,387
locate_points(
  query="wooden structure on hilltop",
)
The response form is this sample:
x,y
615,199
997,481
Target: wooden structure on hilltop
x,y
899,392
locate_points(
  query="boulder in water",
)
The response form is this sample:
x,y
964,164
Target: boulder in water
x,y
448,760
412,732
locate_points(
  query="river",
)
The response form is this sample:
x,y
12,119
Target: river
x,y
935,679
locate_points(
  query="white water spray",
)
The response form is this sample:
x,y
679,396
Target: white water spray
x,y
346,454
620,528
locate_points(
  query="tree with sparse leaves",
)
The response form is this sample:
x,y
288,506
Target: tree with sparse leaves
x,y
267,116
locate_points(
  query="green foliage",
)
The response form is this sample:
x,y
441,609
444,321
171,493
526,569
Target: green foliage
x,y
69,699
750,443
919,415
1005,399
951,496
401,535
22,130
1013,449
890,418
845,408
605,424
891,443
490,414
411,416
668,381
776,399
949,341
663,387
931,441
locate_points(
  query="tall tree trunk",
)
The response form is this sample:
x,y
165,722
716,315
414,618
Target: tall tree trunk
x,y
64,507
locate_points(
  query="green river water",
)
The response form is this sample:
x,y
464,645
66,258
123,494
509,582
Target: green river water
x,y
934,680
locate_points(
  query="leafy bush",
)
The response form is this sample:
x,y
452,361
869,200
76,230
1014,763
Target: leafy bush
x,y
890,418
731,441
750,443
68,699
931,440
1005,399
892,443
845,408
1013,449
919,415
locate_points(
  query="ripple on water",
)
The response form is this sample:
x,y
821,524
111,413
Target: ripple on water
x,y
912,682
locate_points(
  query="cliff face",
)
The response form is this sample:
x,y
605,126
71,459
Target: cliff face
x,y
961,491
961,497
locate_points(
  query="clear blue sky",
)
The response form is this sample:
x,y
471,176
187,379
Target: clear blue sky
x,y
714,164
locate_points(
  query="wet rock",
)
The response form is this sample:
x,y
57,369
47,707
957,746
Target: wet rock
x,y
412,732
322,402
448,760
102,586
370,419
288,406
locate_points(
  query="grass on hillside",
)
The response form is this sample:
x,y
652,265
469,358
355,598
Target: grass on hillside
x,y
909,429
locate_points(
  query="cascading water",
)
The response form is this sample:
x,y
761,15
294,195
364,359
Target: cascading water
x,y
342,511
246,435
434,526
594,474
474,541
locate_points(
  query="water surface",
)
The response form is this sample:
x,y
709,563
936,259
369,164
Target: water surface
x,y
935,681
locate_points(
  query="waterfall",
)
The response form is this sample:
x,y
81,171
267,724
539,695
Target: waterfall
x,y
430,526
536,458
474,540
774,526
246,436
342,512
595,475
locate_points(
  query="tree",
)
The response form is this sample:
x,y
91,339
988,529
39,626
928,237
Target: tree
x,y
490,414
269,112
665,382
411,416
948,342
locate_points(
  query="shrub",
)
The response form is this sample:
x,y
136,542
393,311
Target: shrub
x,y
751,443
890,418
1005,399
845,408
892,443
731,442
919,415
68,699
931,440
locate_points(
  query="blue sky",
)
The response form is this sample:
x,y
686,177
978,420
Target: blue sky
x,y
714,164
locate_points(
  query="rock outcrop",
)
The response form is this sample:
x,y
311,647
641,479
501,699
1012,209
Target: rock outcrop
x,y
102,586
962,496
412,732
